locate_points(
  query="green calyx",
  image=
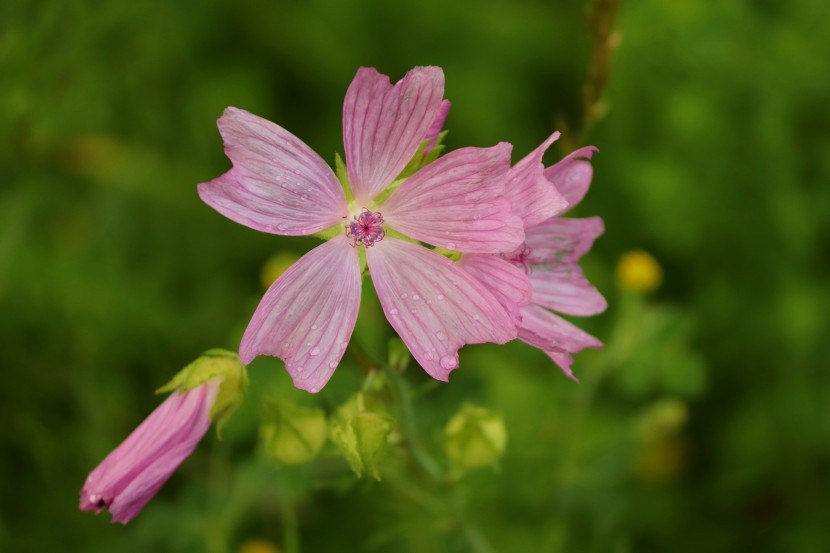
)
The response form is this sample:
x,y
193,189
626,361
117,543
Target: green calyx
x,y
293,434
361,428
475,437
213,364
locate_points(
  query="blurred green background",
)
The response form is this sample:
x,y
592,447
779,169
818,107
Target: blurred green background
x,y
703,425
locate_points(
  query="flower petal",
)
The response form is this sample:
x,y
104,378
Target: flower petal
x,y
135,471
383,125
307,316
565,289
554,335
563,361
562,240
456,203
532,196
277,184
507,282
435,306
572,174
558,282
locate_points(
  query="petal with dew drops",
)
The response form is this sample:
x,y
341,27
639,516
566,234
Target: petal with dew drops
x,y
562,240
532,196
456,203
507,282
434,305
554,335
278,184
383,125
307,316
572,174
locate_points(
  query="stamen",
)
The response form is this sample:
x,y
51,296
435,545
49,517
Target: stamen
x,y
366,229
520,257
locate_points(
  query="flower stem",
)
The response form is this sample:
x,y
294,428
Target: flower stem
x,y
406,414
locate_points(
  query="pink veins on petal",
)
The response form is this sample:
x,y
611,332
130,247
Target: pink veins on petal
x,y
366,229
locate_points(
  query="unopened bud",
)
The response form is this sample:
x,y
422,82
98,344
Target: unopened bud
x,y
361,434
293,434
475,437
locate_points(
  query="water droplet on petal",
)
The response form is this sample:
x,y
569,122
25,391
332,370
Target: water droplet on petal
x,y
314,351
300,369
313,327
281,226
441,335
451,246
428,356
448,362
475,317
440,297
393,311
416,297
404,296
333,365
313,390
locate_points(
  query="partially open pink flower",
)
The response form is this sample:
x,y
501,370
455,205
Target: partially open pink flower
x,y
280,186
549,256
135,471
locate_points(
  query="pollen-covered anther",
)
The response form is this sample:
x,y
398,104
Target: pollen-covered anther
x,y
366,229
520,257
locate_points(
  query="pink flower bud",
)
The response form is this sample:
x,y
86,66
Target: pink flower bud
x,y
135,471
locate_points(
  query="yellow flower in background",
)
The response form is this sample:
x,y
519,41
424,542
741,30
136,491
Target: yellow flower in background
x,y
638,270
276,266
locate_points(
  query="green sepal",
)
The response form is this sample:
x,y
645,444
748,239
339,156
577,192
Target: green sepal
x,y
329,233
361,428
343,176
475,437
214,363
436,150
420,160
293,434
450,254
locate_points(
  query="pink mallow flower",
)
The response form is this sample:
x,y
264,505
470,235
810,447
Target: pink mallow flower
x,y
135,471
279,185
549,256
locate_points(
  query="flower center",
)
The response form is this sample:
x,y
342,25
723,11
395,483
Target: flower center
x,y
520,257
366,229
